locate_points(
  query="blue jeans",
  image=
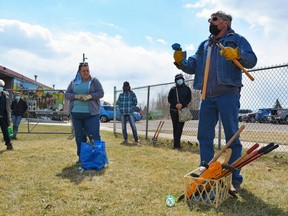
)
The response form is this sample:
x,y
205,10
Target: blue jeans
x,y
90,124
16,119
131,120
228,108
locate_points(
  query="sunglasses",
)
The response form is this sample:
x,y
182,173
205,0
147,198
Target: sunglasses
x,y
83,64
213,19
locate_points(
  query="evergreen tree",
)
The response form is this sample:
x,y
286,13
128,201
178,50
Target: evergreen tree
x,y
277,105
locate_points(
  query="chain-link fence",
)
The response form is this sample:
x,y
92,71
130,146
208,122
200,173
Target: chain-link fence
x,y
264,105
264,102
47,111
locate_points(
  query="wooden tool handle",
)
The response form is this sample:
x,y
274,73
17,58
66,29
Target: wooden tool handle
x,y
243,69
238,64
249,152
228,156
157,129
228,144
206,73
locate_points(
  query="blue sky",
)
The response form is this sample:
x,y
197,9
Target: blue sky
x,y
127,39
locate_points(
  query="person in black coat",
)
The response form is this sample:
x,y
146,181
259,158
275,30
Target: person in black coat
x,y
18,107
5,115
184,94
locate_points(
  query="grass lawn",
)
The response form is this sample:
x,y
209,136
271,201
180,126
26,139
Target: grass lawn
x,y
40,177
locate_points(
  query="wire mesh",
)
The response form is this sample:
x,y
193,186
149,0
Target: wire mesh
x,y
264,102
268,92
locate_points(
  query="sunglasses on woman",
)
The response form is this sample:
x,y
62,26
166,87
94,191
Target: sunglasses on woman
x,y
83,64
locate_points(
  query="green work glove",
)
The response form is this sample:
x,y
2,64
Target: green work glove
x,y
230,53
178,56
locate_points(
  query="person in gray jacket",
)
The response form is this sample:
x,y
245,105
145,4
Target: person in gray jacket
x,y
223,86
84,94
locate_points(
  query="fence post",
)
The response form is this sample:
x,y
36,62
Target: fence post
x,y
28,116
147,112
114,118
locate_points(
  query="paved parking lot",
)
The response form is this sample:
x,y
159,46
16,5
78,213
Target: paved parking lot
x,y
193,125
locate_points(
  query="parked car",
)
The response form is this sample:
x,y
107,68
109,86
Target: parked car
x,y
242,113
262,115
278,116
249,117
107,114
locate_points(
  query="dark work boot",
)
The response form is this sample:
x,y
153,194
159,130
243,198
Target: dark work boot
x,y
13,137
9,146
177,147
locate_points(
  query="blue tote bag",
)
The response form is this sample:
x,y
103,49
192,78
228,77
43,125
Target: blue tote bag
x,y
93,155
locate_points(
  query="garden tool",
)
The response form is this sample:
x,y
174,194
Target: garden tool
x,y
158,129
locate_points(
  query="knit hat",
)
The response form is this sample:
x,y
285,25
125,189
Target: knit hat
x,y
179,76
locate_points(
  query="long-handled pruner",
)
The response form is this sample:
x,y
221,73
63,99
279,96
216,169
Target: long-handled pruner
x,y
237,63
155,137
251,155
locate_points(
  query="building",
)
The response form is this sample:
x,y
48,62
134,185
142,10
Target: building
x,y
15,81
39,97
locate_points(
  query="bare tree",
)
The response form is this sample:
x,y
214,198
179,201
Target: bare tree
x,y
162,103
196,94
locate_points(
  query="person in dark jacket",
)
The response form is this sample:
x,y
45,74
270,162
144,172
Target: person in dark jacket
x,y
184,94
18,108
5,115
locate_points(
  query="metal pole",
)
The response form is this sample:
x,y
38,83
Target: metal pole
x,y
84,58
114,117
147,112
28,116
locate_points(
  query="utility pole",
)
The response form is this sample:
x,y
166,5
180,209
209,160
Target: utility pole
x,y
84,58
